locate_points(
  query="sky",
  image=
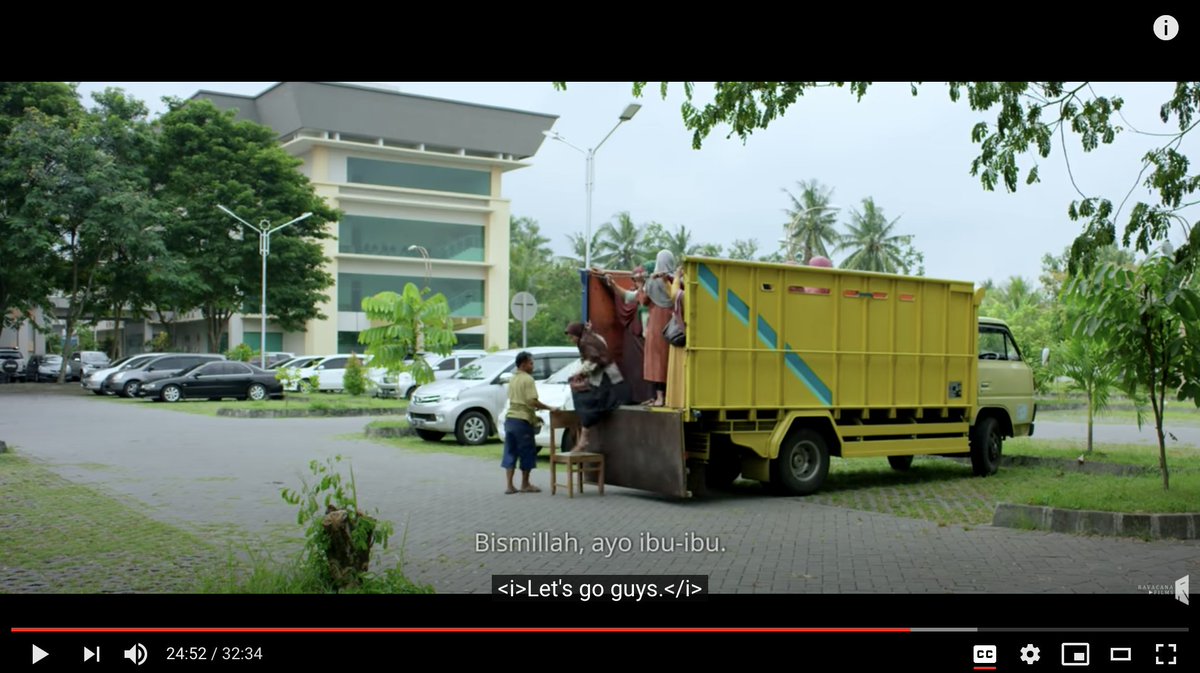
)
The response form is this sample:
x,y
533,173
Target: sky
x,y
911,154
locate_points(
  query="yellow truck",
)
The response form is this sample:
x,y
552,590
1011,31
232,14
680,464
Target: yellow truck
x,y
786,366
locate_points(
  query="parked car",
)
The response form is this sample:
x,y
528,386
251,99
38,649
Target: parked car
x,y
296,361
214,380
274,358
330,371
95,381
554,392
12,365
84,363
127,381
469,402
402,384
48,367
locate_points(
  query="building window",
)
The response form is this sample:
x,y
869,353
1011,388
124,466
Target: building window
x,y
464,296
274,341
418,176
361,235
348,343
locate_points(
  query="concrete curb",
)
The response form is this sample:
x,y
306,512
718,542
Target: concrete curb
x,y
305,413
1182,526
392,432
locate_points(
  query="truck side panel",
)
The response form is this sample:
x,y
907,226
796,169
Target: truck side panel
x,y
790,337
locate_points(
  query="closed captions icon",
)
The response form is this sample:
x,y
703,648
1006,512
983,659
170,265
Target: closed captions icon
x,y
1166,27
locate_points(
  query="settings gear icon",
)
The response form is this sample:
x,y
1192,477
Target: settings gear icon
x,y
1030,654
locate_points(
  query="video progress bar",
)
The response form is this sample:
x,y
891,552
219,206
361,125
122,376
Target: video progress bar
x,y
561,629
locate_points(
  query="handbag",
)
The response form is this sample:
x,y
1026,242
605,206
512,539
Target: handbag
x,y
579,384
676,330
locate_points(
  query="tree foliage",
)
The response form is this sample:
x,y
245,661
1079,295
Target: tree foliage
x,y
413,325
1149,319
1025,119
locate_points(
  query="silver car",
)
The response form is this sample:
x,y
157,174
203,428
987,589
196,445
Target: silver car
x,y
469,402
95,380
401,384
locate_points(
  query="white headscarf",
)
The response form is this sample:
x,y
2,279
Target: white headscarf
x,y
664,264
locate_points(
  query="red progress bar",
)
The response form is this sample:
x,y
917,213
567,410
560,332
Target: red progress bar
x,y
463,630
985,668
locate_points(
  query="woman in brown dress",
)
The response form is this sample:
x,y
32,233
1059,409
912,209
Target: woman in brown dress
x,y
659,296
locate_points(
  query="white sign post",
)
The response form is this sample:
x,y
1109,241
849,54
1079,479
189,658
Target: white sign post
x,y
523,307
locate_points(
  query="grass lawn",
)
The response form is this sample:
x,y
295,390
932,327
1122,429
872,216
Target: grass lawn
x,y
324,401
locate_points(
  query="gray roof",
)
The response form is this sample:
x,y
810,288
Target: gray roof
x,y
369,113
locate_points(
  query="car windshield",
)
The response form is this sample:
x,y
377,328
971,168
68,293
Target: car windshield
x,y
188,370
564,375
52,359
485,368
95,357
136,362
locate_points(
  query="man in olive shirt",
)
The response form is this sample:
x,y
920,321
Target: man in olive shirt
x,y
520,425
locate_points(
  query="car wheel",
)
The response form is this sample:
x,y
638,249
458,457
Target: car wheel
x,y
900,463
130,389
431,435
803,462
409,393
986,446
257,392
172,393
472,428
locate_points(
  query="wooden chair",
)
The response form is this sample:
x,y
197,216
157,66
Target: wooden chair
x,y
576,463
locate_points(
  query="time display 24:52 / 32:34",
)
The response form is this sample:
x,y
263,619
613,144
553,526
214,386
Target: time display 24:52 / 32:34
x,y
214,653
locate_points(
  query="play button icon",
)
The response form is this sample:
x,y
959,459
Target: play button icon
x,y
88,654
39,654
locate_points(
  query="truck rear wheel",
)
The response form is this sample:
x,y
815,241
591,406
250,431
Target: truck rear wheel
x,y
900,463
803,462
986,445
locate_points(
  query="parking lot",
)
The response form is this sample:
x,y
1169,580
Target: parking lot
x,y
226,474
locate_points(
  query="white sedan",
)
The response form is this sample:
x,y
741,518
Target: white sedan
x,y
555,392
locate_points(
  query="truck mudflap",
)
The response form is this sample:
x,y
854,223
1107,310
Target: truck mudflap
x,y
643,448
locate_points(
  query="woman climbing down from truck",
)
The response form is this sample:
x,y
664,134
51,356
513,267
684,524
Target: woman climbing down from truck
x,y
599,387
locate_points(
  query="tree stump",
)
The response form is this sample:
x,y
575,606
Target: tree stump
x,y
346,561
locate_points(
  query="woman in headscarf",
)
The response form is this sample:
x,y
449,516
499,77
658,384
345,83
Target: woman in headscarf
x,y
659,296
598,388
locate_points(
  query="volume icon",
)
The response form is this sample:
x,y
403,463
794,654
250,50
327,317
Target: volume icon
x,y
136,654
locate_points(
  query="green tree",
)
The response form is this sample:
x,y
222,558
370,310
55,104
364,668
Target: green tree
x,y
578,243
872,245
528,252
679,242
559,303
622,246
743,249
1036,322
1086,362
26,248
709,250
811,226
412,325
1027,117
355,378
1149,320
91,202
205,158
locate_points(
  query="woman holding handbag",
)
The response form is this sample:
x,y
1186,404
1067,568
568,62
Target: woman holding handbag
x,y
599,387
659,296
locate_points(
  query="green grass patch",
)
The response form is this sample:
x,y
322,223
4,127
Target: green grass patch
x,y
61,537
946,492
321,402
1187,416
1126,454
264,574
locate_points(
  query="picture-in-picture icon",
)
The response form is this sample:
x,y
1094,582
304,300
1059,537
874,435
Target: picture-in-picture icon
x,y
1076,654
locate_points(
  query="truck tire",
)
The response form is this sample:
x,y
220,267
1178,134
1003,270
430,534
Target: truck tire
x,y
472,428
803,462
431,435
986,445
900,463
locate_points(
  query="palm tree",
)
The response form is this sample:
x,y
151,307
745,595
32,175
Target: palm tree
x,y
527,250
872,244
619,246
812,222
1016,294
743,248
579,247
680,243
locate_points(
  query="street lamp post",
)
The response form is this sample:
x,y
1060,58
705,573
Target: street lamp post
x,y
264,248
428,267
590,173
790,242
